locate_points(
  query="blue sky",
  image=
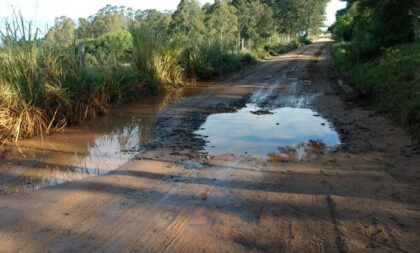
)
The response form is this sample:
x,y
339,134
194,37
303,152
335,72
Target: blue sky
x,y
44,11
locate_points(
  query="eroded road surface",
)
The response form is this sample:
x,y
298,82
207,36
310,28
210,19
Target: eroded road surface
x,y
272,160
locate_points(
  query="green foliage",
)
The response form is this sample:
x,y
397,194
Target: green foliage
x,y
63,32
300,18
109,49
375,57
188,19
158,22
84,29
392,81
343,27
372,26
156,57
109,19
210,59
222,23
283,48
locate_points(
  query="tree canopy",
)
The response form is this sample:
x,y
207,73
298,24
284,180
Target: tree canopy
x,y
227,20
373,25
63,32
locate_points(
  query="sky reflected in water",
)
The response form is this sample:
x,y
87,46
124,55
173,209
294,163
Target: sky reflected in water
x,y
294,129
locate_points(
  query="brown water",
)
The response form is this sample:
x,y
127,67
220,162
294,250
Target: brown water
x,y
89,149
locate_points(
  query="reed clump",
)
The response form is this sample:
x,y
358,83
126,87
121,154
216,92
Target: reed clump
x,y
157,57
44,87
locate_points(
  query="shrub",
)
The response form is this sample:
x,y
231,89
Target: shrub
x,y
210,59
392,81
156,58
109,48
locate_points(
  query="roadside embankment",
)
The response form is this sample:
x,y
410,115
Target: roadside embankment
x,y
391,81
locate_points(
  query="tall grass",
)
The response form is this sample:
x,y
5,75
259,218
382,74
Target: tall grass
x,y
168,60
43,87
22,71
156,57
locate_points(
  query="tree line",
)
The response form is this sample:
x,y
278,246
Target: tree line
x,y
229,21
372,26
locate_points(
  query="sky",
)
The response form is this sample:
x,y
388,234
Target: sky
x,y
43,12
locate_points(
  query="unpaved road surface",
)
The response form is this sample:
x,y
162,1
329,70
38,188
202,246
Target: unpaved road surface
x,y
175,197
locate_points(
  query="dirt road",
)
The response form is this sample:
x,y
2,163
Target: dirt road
x,y
175,197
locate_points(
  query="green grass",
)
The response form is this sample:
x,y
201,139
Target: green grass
x,y
390,81
44,87
156,58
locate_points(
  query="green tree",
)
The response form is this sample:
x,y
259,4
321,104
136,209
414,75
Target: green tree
x,y
188,19
63,32
84,29
373,25
343,27
157,21
262,18
222,22
299,18
246,23
109,19
116,23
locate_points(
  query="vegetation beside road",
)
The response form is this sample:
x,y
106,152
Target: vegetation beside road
x,y
80,70
377,50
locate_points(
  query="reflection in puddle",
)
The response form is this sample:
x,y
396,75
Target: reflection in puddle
x,y
90,149
287,134
308,151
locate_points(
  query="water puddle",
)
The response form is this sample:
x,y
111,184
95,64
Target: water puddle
x,y
277,135
90,149
276,125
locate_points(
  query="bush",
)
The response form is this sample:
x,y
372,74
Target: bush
x,y
210,59
156,57
109,49
392,81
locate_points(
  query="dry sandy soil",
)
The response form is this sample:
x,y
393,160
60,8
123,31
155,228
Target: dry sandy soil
x,y
363,197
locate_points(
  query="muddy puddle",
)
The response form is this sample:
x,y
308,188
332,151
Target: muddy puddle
x,y
273,126
90,149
